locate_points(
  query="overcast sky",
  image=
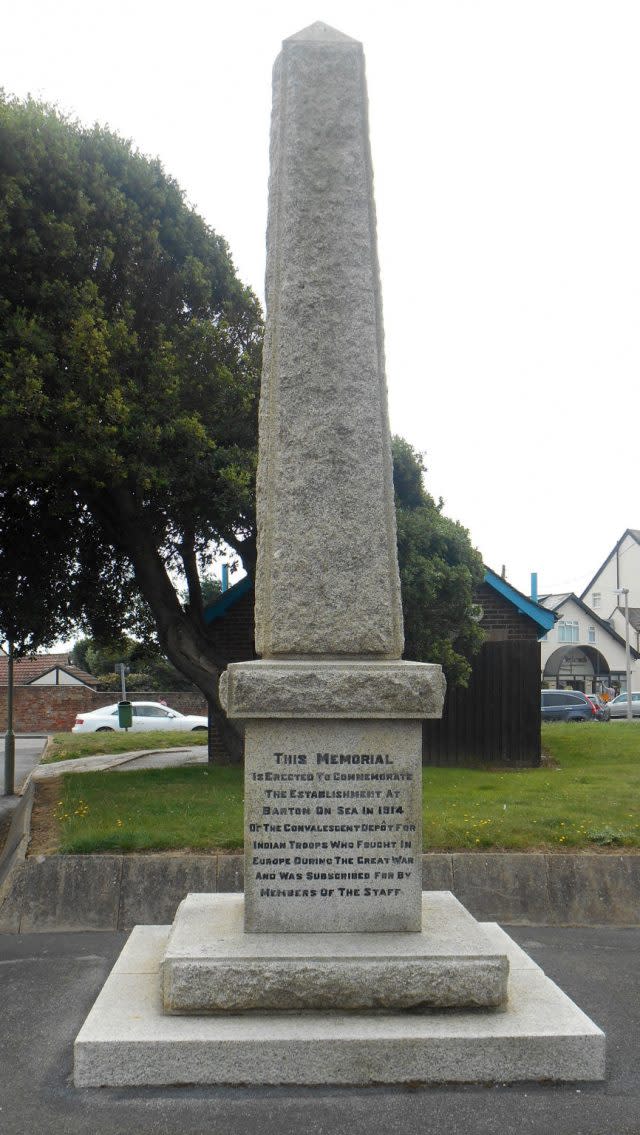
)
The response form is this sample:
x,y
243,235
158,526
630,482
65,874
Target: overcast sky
x,y
507,178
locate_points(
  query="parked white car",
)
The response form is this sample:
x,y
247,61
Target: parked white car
x,y
618,706
146,715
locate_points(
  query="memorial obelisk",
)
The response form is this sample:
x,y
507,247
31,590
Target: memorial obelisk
x,y
333,735
306,978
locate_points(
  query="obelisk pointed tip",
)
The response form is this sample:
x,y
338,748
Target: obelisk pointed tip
x,y
319,33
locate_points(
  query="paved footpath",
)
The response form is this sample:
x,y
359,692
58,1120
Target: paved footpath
x,y
48,982
136,759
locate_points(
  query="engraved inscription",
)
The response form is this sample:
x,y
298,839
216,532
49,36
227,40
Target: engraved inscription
x,y
335,823
333,830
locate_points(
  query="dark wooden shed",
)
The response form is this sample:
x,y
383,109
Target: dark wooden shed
x,y
495,720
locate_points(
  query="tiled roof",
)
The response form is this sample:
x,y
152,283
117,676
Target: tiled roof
x,y
26,670
553,601
634,617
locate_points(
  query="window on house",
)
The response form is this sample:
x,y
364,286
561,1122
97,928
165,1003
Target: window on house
x,y
596,599
591,634
568,630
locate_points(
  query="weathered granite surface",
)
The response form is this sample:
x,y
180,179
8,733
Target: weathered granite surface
x,y
322,689
212,965
127,1040
327,577
333,826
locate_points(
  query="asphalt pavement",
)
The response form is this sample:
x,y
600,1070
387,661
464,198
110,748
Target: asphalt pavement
x,y
48,982
28,752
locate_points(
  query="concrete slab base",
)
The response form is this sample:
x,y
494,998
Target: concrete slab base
x,y
212,965
127,1040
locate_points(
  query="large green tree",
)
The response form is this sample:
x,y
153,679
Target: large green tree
x,y
32,617
439,570
129,363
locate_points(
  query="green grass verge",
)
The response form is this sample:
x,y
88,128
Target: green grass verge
x,y
68,746
151,810
590,801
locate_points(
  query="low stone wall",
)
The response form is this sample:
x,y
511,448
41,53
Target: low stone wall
x,y
109,892
53,709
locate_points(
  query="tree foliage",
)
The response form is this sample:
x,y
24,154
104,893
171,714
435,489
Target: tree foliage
x,y
129,363
148,669
439,569
33,617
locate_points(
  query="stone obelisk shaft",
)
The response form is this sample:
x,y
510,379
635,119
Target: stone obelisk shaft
x,y
332,715
327,578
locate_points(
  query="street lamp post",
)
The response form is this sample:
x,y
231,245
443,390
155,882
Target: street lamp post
x,y
627,646
10,738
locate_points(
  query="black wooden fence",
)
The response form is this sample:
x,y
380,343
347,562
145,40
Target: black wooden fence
x,y
496,719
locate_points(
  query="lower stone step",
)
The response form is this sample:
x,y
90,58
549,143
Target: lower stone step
x,y
127,1039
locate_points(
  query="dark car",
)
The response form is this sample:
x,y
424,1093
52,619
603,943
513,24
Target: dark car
x,y
603,713
566,705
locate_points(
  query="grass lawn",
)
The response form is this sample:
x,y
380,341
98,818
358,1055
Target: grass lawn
x,y
67,746
151,809
591,800
589,796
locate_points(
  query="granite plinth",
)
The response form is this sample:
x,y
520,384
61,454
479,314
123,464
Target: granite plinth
x,y
333,826
332,689
127,1040
211,965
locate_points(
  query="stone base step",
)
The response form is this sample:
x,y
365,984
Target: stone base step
x,y
212,965
127,1040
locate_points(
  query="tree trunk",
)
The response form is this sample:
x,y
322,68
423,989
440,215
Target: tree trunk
x,y
180,632
223,738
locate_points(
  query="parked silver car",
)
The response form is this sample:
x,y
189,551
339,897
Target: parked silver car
x,y
603,712
618,706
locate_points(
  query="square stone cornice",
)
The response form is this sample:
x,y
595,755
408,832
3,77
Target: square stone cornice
x,y
332,689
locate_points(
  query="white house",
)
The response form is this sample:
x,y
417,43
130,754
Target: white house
x,y
583,650
620,569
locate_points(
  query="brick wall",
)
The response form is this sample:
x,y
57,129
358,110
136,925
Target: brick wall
x,y
500,620
53,709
